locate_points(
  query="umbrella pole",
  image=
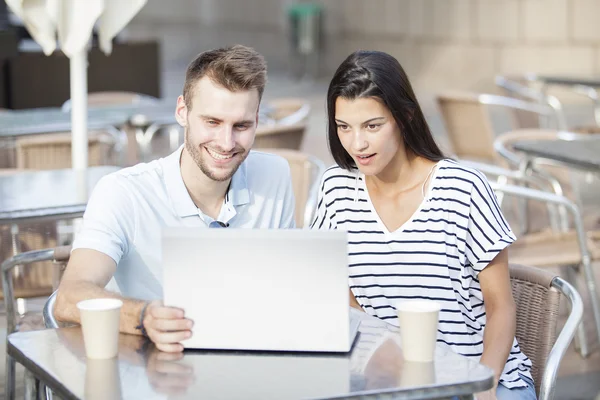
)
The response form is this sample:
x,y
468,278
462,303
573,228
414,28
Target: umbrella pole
x,y
79,147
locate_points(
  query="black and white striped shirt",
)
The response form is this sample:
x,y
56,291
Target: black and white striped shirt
x,y
437,254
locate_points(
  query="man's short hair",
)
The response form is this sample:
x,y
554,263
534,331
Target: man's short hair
x,y
236,68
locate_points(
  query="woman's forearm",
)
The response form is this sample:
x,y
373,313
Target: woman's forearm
x,y
498,339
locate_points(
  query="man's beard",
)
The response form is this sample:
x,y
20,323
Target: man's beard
x,y
200,160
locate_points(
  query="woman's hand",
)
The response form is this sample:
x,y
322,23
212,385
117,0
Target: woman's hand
x,y
489,395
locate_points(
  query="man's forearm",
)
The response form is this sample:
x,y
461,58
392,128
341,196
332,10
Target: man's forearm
x,y
497,341
69,294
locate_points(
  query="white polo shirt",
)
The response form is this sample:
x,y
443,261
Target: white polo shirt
x,y
129,208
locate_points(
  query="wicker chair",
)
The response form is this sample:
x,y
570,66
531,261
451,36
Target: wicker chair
x,y
468,123
53,151
537,295
58,256
284,125
306,173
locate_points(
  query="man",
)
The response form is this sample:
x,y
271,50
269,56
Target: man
x,y
212,181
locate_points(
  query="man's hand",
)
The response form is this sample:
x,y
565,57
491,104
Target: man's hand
x,y
167,326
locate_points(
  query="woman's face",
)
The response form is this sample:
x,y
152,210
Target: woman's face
x,y
368,132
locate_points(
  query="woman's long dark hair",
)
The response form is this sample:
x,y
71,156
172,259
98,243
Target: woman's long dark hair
x,y
377,74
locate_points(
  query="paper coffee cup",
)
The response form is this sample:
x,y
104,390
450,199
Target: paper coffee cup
x,y
418,328
100,325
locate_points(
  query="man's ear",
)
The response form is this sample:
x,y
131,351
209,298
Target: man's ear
x,y
181,112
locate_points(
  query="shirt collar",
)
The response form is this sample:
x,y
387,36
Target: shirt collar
x,y
238,193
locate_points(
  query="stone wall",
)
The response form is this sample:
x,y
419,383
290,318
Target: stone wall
x,y
443,44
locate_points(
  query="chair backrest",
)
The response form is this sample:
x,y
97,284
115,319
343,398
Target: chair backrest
x,y
287,111
537,312
48,313
306,172
58,255
520,87
108,98
34,280
468,126
280,136
283,123
517,86
62,256
537,295
53,150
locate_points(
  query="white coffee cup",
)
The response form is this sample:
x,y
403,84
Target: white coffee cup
x,y
100,325
418,328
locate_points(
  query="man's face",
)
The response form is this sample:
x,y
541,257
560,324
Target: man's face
x,y
219,127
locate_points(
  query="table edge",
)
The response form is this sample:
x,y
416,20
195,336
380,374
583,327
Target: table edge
x,y
47,379
531,153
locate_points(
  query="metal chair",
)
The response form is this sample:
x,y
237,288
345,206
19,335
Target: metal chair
x,y
469,127
59,255
564,179
306,171
50,321
139,130
537,295
522,87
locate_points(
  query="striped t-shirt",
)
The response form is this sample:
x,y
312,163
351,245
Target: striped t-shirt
x,y
436,255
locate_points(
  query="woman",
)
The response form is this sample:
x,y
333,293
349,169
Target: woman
x,y
420,226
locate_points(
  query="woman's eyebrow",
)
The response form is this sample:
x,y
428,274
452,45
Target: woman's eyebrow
x,y
366,122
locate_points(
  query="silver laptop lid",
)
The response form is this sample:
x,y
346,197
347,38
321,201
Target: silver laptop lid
x,y
260,289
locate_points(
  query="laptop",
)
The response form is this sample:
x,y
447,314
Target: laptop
x,y
265,290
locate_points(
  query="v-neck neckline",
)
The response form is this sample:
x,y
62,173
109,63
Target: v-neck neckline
x,y
363,184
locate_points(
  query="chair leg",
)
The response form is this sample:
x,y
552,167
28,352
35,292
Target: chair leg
x,y
9,379
31,386
47,392
580,342
590,282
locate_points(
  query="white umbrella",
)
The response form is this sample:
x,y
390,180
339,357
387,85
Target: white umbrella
x,y
72,21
